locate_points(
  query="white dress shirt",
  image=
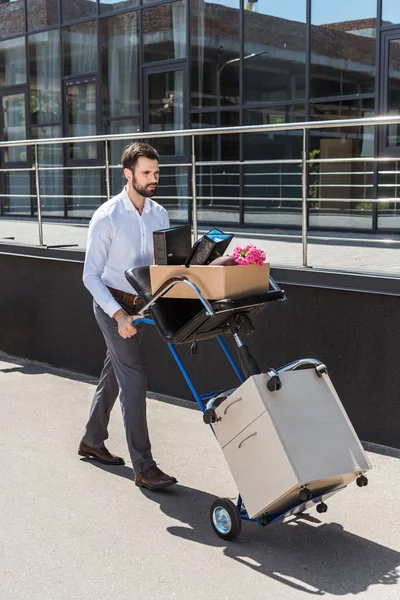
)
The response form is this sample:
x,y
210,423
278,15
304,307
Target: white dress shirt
x,y
119,238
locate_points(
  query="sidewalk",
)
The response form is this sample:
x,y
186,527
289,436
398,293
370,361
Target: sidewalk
x,y
349,252
71,529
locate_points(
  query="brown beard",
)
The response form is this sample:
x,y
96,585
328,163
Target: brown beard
x,y
144,191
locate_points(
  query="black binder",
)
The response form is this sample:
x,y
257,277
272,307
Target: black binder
x,y
172,246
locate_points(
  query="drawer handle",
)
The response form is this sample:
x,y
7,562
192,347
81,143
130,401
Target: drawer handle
x,y
231,404
247,438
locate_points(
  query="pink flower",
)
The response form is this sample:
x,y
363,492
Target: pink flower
x,y
249,255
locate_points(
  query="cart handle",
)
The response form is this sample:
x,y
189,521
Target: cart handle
x,y
167,285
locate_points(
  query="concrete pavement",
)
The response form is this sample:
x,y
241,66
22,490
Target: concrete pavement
x,y
71,529
353,253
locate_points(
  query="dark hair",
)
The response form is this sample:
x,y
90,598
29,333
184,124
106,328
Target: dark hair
x,y
134,151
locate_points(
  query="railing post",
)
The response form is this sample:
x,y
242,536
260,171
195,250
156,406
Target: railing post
x,y
107,169
194,194
304,195
39,207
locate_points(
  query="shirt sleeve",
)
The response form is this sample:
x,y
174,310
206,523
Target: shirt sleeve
x,y
166,221
98,246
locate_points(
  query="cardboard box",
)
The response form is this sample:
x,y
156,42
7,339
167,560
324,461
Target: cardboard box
x,y
214,282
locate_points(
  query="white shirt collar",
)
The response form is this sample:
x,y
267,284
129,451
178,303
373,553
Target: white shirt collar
x,y
129,204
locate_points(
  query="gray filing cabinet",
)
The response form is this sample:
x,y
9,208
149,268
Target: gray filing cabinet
x,y
277,442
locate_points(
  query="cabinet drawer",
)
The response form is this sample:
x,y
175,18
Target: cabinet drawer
x,y
240,409
259,465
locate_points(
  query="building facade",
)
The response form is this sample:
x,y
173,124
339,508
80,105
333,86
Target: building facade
x,y
84,67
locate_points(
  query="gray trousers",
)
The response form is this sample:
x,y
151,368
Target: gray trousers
x,y
124,374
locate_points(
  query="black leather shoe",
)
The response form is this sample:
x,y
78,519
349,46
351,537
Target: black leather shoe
x,y
154,479
100,454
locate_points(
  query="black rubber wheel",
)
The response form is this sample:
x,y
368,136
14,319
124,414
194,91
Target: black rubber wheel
x,y
362,481
322,507
225,519
305,495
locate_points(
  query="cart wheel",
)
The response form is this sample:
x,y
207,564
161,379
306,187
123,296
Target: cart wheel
x,y
305,495
322,507
362,481
225,519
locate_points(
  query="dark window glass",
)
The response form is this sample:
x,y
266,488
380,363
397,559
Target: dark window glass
x,y
343,47
120,65
274,50
73,11
42,13
218,186
12,62
390,12
215,39
117,179
51,182
12,17
340,190
393,92
165,93
273,191
14,126
111,5
82,118
44,70
80,48
164,32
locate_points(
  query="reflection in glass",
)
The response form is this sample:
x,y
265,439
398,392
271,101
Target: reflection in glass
x,y
218,187
393,91
12,62
45,78
389,190
116,147
390,12
73,11
12,17
16,187
332,183
215,40
81,101
274,50
112,5
165,108
42,13
120,65
173,192
343,47
80,48
274,190
14,127
51,182
164,32
84,190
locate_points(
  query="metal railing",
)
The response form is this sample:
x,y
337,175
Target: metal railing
x,y
303,161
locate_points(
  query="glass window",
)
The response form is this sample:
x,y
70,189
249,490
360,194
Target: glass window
x,y
120,65
164,32
165,92
51,182
80,48
82,118
341,190
117,179
73,11
44,71
390,12
215,50
14,126
393,92
42,13
273,190
111,5
342,47
218,187
274,50
12,62
12,17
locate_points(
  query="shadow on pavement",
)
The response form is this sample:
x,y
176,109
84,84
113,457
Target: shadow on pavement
x,y
302,553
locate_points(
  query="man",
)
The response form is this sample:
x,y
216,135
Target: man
x,y
120,237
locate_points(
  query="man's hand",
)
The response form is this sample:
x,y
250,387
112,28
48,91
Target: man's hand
x,y
126,327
